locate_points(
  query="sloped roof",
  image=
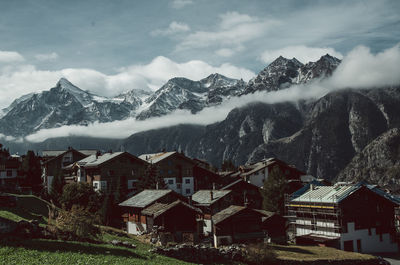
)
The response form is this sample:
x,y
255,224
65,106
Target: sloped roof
x,y
145,198
327,194
227,187
158,209
203,197
88,152
390,197
156,157
59,154
226,213
94,161
53,152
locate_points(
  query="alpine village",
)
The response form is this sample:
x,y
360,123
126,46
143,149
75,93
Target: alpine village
x,y
298,164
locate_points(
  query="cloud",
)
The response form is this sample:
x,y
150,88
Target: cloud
x,y
233,31
10,57
178,4
362,69
302,53
173,28
46,56
19,80
359,69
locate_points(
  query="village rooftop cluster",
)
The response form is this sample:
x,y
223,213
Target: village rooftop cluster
x,y
194,202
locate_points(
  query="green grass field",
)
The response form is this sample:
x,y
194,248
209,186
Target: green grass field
x,y
40,251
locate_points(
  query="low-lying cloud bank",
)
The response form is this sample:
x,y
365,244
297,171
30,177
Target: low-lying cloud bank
x,y
359,69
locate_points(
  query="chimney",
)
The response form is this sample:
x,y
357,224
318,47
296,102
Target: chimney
x,y
213,185
312,186
211,195
157,185
97,154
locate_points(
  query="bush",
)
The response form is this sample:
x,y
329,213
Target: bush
x,y
260,254
77,224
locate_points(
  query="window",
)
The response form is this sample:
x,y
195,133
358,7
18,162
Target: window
x,y
187,191
187,181
171,181
170,172
96,185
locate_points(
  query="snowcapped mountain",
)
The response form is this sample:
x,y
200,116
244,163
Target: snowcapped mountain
x,y
182,93
283,72
64,104
67,104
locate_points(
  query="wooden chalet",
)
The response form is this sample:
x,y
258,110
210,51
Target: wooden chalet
x,y
258,172
352,217
210,202
237,224
53,162
9,170
181,173
245,194
111,173
136,222
178,219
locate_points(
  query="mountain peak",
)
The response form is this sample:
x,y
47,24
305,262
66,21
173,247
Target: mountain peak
x,y
330,59
63,82
284,61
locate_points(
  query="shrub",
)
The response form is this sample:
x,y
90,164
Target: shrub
x,y
76,224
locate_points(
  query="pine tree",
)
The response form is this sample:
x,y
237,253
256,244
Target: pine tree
x,y
274,190
56,188
32,171
151,179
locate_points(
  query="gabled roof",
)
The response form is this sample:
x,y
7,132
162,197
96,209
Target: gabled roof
x,y
145,198
229,186
97,160
203,197
61,153
156,157
233,210
158,209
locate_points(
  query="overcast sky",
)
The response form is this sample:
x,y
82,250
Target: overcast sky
x,y
109,47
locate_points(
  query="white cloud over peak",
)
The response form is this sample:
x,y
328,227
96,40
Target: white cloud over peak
x,y
46,56
178,4
302,53
173,28
10,57
359,69
233,31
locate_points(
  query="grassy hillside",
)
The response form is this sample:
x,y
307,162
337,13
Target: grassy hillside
x,y
40,251
28,207
310,253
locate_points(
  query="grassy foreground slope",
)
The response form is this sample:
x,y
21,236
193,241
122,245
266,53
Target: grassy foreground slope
x,y
28,207
41,251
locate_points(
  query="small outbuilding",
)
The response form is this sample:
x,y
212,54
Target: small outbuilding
x,y
237,224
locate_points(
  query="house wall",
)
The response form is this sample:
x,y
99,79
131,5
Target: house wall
x,y
135,228
119,174
371,242
245,226
258,178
